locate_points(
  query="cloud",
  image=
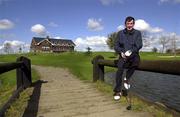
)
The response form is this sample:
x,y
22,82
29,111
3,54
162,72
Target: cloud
x,y
52,24
142,25
6,24
109,2
95,25
15,45
96,43
39,29
57,37
120,27
1,47
173,1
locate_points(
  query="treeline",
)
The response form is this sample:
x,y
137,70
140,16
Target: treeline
x,y
163,43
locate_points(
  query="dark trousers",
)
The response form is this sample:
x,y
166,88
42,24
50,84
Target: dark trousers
x,y
131,63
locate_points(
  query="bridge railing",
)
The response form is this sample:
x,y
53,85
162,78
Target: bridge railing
x,y
23,78
159,66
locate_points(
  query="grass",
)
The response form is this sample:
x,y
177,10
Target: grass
x,y
18,107
157,56
138,104
80,65
8,85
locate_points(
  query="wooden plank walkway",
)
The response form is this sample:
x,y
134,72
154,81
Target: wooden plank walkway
x,y
66,96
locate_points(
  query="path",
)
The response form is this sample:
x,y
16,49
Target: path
x,y
66,96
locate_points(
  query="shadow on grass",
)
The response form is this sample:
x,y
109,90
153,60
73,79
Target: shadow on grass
x,y
112,57
32,107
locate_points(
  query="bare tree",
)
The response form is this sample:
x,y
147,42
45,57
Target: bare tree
x,y
20,49
7,47
164,40
145,38
154,49
146,43
173,43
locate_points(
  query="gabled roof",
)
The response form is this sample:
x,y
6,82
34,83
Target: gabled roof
x,y
38,39
53,41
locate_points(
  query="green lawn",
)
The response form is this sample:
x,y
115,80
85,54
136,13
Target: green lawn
x,y
78,63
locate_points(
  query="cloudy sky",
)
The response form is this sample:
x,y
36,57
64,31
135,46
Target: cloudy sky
x,y
86,22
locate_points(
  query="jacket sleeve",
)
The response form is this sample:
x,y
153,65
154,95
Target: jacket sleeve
x,y
118,47
138,42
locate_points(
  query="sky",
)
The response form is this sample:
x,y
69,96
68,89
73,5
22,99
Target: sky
x,y
86,22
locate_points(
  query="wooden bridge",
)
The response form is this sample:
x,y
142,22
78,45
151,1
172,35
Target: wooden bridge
x,y
58,93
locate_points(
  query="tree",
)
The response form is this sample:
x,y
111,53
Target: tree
x,y
20,50
173,43
7,47
154,49
111,40
145,38
164,40
168,50
88,51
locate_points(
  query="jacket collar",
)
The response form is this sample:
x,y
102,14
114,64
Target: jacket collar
x,y
128,32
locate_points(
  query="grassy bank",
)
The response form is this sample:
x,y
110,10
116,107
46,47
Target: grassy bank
x,y
80,65
8,85
138,104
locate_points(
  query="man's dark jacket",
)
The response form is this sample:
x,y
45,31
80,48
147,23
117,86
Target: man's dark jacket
x,y
128,40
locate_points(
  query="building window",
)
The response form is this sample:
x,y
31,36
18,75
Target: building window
x,y
45,47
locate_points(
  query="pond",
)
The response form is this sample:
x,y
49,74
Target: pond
x,y
156,87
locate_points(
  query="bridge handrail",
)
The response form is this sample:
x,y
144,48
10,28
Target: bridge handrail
x,y
159,66
23,78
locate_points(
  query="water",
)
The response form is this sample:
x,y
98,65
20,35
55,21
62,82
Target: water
x,y
156,87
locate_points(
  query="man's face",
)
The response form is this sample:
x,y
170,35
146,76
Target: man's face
x,y
129,25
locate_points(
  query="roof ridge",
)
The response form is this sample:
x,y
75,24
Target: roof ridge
x,y
53,40
50,38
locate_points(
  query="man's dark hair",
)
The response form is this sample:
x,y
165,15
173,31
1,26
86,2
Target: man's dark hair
x,y
129,18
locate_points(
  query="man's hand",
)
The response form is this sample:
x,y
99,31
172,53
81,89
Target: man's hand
x,y
128,53
123,55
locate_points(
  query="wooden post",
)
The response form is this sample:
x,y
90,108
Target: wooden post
x,y
24,73
19,79
98,70
101,72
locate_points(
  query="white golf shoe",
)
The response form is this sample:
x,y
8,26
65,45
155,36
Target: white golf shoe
x,y
117,96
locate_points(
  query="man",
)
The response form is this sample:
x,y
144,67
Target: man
x,y
127,45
